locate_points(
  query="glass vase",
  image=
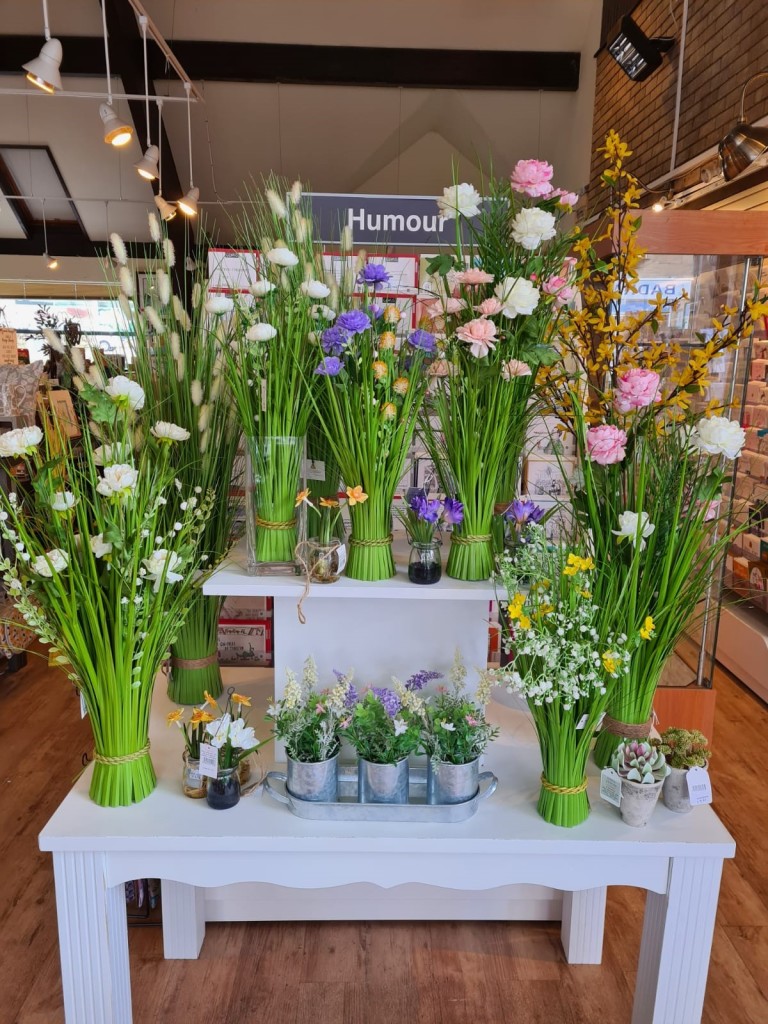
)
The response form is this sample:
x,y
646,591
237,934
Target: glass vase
x,y
425,565
192,782
224,791
325,561
273,479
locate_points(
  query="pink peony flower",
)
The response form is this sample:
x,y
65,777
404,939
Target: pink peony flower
x,y
569,265
515,368
479,335
558,286
532,177
566,198
606,444
489,307
454,305
636,389
473,277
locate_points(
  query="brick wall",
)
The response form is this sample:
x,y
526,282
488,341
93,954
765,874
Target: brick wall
x,y
725,44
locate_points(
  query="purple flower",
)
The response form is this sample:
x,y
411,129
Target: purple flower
x,y
523,512
453,511
425,509
334,340
354,321
374,274
389,700
329,367
420,679
375,309
423,340
351,699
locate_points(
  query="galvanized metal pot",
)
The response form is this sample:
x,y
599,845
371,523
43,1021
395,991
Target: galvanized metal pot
x,y
382,783
452,783
314,780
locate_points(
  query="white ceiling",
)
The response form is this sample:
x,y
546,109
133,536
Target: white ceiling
x,y
339,139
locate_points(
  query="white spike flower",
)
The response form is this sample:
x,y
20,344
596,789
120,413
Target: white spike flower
x,y
216,387
196,392
118,248
163,287
276,204
169,251
197,294
127,284
154,228
204,441
346,239
175,344
158,326
296,193
54,340
77,355
125,306
204,417
180,366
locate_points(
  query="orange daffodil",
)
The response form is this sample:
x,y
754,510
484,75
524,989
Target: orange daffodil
x,y
174,716
200,716
329,503
302,497
356,495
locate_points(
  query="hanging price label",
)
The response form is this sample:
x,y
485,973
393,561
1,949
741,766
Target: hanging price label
x,y
699,786
342,555
83,706
581,724
314,469
209,760
610,786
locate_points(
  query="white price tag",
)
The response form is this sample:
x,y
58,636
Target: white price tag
x,y
699,786
610,786
314,469
83,706
582,722
342,555
209,760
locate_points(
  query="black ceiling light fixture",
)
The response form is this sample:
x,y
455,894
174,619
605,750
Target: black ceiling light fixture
x,y
636,54
745,142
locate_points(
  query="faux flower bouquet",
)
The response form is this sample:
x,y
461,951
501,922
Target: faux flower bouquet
x,y
385,725
423,516
568,662
307,719
455,730
193,728
98,573
368,401
499,297
229,731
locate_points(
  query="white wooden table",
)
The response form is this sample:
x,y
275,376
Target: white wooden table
x,y
677,858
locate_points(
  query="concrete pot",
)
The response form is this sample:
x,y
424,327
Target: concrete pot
x,y
675,791
638,801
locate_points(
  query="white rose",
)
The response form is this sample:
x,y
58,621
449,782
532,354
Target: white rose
x,y
219,304
261,287
315,289
718,435
518,296
53,561
459,201
163,562
99,546
633,523
323,311
118,479
21,441
63,501
260,332
218,730
165,431
125,393
282,257
533,226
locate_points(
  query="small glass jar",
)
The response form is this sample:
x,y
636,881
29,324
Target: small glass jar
x,y
224,791
324,560
244,770
425,565
192,782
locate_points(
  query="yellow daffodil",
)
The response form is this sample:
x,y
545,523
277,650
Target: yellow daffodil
x,y
610,662
648,628
329,503
387,340
238,698
380,369
302,497
200,716
401,385
174,716
356,495
209,700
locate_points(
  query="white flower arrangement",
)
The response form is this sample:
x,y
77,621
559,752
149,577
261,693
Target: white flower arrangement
x,y
459,201
315,289
261,287
22,441
125,393
260,332
532,226
717,435
518,296
281,256
169,432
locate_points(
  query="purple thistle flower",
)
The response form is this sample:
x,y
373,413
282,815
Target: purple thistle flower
x,y
423,340
334,340
453,511
329,367
420,679
389,700
522,512
354,321
374,274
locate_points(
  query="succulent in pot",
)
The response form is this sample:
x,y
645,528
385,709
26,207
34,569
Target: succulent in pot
x,y
642,769
683,749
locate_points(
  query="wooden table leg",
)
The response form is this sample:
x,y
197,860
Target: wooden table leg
x,y
581,931
677,941
93,941
183,920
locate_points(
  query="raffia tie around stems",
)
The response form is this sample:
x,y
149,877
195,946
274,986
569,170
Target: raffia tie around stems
x,y
193,663
307,568
265,524
378,542
626,730
564,790
479,538
122,758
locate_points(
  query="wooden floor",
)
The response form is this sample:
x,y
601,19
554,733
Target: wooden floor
x,y
367,973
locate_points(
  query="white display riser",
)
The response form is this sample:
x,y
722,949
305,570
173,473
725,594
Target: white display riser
x,y
742,646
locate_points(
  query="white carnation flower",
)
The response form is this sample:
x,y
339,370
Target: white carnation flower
x,y
718,435
315,289
260,332
53,561
459,201
282,257
219,304
126,393
533,226
162,562
517,296
118,480
168,432
63,501
633,523
21,441
99,546
261,287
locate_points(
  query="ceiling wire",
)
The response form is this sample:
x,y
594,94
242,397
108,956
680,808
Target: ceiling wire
x,y
210,148
279,129
399,131
672,12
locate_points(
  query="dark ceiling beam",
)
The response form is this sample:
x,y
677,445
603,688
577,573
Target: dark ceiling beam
x,y
289,63
63,242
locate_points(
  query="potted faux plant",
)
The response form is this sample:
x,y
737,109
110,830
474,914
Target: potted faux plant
x,y
307,721
682,749
235,741
455,735
193,784
384,726
422,518
642,769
